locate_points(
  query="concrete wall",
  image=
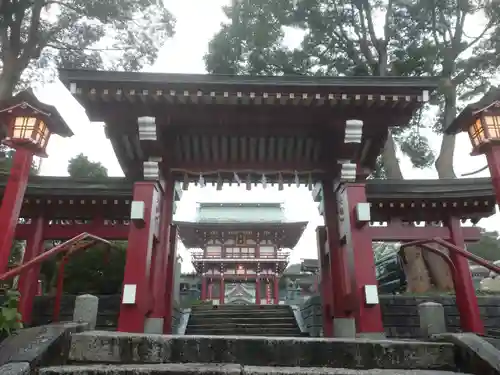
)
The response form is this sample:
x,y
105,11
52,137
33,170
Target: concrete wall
x,y
400,314
107,317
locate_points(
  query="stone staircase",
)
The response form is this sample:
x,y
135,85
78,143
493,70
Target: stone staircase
x,y
253,320
114,353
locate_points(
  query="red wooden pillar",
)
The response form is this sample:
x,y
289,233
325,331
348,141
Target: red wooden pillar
x,y
493,159
470,318
28,280
137,296
210,288
326,290
12,201
276,290
170,281
257,290
337,280
162,253
359,258
203,287
222,291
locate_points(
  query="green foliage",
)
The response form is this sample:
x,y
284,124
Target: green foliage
x,y
370,37
6,158
10,318
488,247
97,270
81,167
77,33
383,249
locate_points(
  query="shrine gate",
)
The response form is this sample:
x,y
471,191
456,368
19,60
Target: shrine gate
x,y
170,130
244,130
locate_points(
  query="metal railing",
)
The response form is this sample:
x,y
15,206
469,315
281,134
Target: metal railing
x,y
78,243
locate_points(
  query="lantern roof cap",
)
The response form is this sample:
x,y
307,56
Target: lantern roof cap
x,y
48,113
470,113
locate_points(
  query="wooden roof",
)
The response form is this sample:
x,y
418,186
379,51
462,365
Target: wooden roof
x,y
470,113
470,198
64,197
217,125
286,234
428,200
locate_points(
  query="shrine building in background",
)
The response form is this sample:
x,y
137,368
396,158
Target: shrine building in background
x,y
240,250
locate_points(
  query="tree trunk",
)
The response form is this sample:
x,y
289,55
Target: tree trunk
x,y
390,159
444,162
440,272
8,81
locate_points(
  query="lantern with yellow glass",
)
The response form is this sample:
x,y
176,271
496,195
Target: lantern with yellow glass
x,y
485,129
27,125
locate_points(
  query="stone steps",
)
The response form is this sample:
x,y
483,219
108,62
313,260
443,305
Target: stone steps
x,y
222,369
254,320
200,320
361,354
246,331
240,314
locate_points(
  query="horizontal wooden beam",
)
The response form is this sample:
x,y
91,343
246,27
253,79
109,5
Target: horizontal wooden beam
x,y
242,167
402,233
63,232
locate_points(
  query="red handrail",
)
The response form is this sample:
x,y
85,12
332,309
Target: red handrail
x,y
69,247
470,319
455,249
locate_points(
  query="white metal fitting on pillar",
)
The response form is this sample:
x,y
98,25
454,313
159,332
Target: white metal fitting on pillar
x,y
151,170
348,172
353,131
147,128
129,294
371,295
137,213
363,213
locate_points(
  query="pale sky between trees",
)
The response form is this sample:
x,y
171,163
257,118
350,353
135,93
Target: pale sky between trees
x,y
197,22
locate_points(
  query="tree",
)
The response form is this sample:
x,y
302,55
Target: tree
x,y
97,270
369,37
488,247
465,35
339,39
81,167
116,34
6,158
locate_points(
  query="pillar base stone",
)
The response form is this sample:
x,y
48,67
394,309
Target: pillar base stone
x,y
344,327
372,335
154,325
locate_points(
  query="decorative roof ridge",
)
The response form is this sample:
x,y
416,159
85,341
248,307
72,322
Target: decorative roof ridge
x,y
69,75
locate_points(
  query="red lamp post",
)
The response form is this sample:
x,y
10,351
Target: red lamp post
x,y
29,124
482,122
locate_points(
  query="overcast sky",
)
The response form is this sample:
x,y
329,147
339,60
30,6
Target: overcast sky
x,y
197,22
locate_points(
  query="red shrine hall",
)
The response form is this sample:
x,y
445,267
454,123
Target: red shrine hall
x,y
172,130
243,250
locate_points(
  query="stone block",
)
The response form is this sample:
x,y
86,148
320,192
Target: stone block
x,y
20,368
473,353
86,308
432,319
150,369
154,325
39,345
116,347
344,327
